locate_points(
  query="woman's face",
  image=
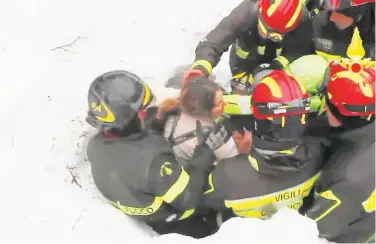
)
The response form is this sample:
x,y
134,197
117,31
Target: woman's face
x,y
219,104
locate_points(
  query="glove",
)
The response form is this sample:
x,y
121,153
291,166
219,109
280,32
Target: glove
x,y
202,157
191,74
200,134
218,137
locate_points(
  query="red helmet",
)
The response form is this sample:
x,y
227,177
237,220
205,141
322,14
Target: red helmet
x,y
351,83
351,88
277,17
334,5
278,95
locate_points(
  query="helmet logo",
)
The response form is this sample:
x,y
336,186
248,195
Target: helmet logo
x,y
353,67
108,115
355,51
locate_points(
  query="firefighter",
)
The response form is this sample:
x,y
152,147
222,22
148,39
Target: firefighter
x,y
265,31
282,165
344,196
334,27
135,168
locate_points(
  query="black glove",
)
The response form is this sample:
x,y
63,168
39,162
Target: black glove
x,y
201,134
203,157
217,137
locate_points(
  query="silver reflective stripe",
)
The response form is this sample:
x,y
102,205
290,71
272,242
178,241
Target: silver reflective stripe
x,y
245,104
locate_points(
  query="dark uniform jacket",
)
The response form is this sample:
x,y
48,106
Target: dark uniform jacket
x,y
332,42
344,205
140,176
240,28
258,184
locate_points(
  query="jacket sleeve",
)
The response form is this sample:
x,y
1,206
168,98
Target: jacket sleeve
x,y
210,49
296,44
180,187
343,197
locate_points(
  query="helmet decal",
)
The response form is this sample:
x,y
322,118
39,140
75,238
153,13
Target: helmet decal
x,y
294,16
273,86
355,51
351,87
148,95
273,7
102,112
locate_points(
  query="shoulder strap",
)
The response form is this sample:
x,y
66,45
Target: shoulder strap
x,y
184,137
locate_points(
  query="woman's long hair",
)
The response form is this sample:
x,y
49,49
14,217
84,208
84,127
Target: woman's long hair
x,y
196,99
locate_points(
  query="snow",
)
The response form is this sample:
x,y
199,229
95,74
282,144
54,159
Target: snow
x,y
43,106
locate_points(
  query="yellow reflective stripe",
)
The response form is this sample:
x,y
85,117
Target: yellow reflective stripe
x,y
187,213
283,121
211,185
369,203
329,195
258,207
322,108
239,76
237,104
284,61
261,50
148,210
288,152
177,188
295,16
278,51
371,239
328,56
250,79
204,63
262,27
240,52
232,104
303,119
253,162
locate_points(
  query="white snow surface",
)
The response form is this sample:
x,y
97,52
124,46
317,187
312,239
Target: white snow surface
x,y
43,105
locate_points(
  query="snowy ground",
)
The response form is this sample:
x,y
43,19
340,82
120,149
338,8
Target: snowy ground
x,y
46,186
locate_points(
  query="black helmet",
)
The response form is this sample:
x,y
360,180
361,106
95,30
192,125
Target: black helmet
x,y
114,99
